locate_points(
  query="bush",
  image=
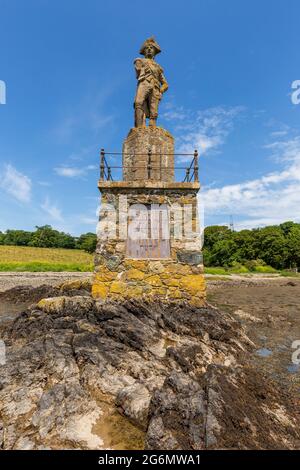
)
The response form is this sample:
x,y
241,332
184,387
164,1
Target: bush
x,y
238,268
216,270
264,269
254,263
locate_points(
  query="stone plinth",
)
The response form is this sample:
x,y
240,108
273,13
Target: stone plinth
x,y
135,155
177,274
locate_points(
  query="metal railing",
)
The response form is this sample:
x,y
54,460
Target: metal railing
x,y
191,172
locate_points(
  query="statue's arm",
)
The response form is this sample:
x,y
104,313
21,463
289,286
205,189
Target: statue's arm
x,y
163,81
138,65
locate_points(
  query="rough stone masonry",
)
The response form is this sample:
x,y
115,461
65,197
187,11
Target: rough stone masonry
x,y
149,243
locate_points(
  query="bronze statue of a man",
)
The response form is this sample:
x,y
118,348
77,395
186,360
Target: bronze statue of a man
x,y
151,84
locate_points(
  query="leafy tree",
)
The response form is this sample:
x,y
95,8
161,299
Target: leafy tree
x,y
246,248
215,233
276,246
46,237
16,237
293,247
222,253
286,227
87,242
273,248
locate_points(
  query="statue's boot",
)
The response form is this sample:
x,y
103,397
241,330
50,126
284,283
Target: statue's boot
x,y
152,122
139,120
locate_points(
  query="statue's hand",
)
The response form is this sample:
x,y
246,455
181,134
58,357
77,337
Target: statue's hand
x,y
163,88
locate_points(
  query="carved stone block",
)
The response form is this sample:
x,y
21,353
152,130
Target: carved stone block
x,y
136,163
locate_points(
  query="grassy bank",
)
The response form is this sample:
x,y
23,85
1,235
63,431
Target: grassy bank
x,y
219,271
23,258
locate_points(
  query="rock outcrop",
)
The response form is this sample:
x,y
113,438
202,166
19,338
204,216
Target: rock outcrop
x,y
178,374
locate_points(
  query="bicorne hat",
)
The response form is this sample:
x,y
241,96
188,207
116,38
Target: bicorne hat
x,y
153,43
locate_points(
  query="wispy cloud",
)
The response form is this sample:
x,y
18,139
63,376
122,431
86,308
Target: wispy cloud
x,y
69,172
52,210
66,128
205,130
89,221
279,133
84,152
270,199
16,184
73,172
174,112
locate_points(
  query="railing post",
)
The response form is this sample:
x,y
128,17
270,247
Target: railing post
x,y
160,165
196,167
102,153
187,176
133,171
149,163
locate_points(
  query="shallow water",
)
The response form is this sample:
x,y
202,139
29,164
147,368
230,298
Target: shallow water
x,y
9,310
264,352
293,368
116,431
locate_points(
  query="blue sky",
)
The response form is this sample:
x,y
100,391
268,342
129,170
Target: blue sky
x,y
68,69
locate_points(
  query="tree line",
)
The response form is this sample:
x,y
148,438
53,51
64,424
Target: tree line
x,y
277,246
47,237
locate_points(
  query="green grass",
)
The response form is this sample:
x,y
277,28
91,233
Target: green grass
x,y
218,278
23,258
43,267
216,270
219,271
289,274
238,270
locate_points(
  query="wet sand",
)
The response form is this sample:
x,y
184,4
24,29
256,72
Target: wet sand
x,y
8,280
270,314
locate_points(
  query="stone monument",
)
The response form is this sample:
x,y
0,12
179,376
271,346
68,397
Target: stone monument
x,y
149,244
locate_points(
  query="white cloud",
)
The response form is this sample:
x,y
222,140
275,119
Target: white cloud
x,y
173,113
279,133
16,184
270,199
74,172
69,172
52,210
205,130
92,167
